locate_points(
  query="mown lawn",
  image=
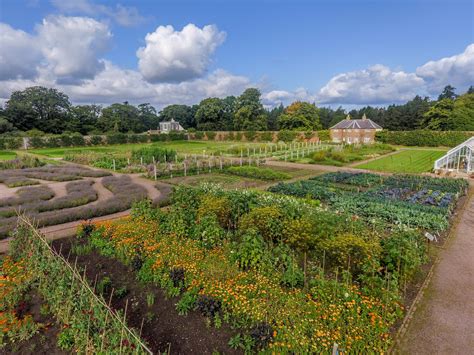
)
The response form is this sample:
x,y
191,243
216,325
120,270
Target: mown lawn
x,y
406,161
6,155
184,147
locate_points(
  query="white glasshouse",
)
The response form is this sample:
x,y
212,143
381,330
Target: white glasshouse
x,y
459,159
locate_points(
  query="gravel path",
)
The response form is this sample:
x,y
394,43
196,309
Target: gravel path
x,y
443,323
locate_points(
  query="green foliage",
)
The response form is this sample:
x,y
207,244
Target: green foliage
x,y
250,252
250,135
348,251
186,303
257,173
286,136
324,136
266,220
208,231
423,138
148,153
266,137
210,135
215,206
300,116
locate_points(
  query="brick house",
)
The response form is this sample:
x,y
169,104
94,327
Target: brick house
x,y
354,131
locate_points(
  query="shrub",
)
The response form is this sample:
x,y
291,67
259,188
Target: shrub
x,y
266,220
250,135
199,135
211,135
250,252
257,173
116,138
348,251
286,135
266,137
217,206
96,140
7,142
37,142
324,135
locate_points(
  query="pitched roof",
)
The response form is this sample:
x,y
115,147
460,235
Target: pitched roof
x,y
356,124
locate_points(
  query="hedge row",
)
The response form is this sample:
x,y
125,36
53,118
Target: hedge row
x,y
423,138
77,140
264,136
7,142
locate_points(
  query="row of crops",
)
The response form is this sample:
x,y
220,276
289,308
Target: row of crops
x,y
413,201
86,322
286,273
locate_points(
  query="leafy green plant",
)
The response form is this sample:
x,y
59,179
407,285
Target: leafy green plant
x,y
187,302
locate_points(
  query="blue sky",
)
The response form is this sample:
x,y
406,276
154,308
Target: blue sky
x,y
332,52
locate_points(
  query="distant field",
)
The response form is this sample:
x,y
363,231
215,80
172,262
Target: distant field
x,y
406,161
189,147
6,155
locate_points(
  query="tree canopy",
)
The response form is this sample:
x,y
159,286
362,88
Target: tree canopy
x,y
50,111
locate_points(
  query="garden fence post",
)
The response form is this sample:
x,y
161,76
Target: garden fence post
x,y
171,170
184,168
128,161
114,163
154,170
153,159
141,160
221,162
241,157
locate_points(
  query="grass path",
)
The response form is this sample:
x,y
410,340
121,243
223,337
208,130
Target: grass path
x,y
443,323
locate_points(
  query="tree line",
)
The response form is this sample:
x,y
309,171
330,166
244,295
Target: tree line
x,y
39,109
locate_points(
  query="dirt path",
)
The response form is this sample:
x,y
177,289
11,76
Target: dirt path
x,y
443,323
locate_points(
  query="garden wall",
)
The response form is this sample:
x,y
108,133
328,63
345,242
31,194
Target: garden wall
x,y
260,136
77,140
423,138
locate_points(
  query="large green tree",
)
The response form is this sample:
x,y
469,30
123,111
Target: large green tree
x,y
462,115
448,92
438,116
210,114
40,108
84,118
148,116
121,118
183,114
249,112
300,116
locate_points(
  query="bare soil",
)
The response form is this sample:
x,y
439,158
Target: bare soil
x,y
43,342
163,328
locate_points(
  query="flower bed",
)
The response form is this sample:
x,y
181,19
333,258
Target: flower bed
x,y
292,276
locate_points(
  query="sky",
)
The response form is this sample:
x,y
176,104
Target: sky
x,y
339,52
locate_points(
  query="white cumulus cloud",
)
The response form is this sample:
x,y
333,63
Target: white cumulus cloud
x,y
277,97
72,45
377,84
19,54
457,70
176,56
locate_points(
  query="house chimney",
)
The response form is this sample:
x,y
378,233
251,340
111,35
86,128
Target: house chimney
x,y
348,117
364,117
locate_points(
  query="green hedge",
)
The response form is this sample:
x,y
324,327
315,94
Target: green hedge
x,y
423,138
9,142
